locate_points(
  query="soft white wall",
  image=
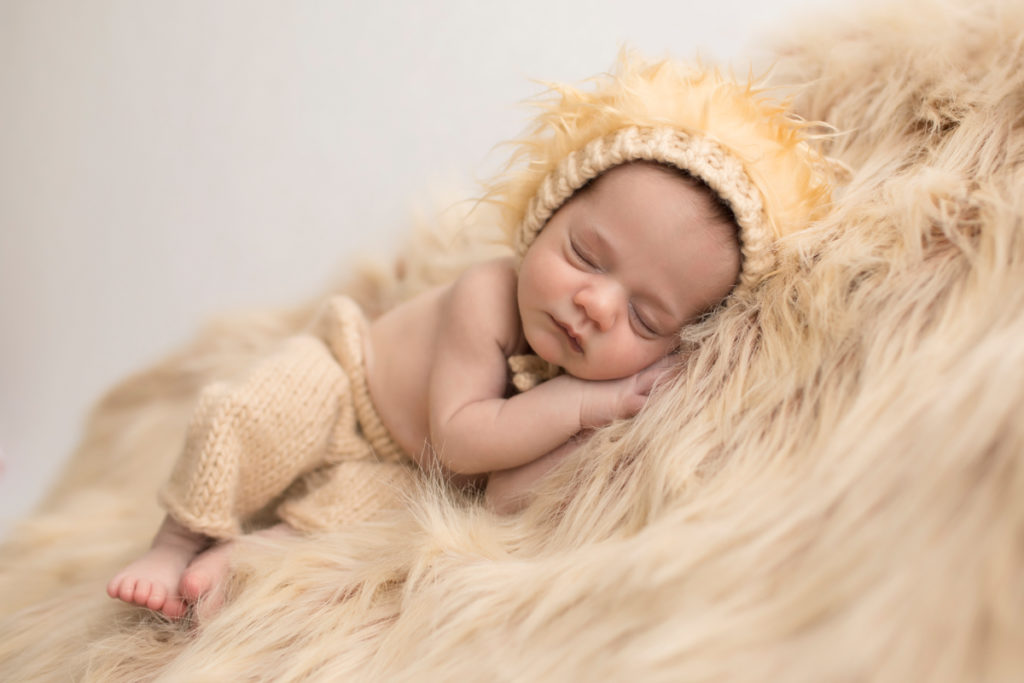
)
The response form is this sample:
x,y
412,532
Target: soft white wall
x,y
161,162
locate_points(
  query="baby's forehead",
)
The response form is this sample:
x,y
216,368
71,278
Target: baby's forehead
x,y
669,189
685,184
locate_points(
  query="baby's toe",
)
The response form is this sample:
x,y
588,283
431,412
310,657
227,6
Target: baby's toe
x,y
143,589
173,608
157,597
114,587
126,592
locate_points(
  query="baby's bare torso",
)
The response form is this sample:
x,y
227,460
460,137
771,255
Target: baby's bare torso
x,y
402,344
404,347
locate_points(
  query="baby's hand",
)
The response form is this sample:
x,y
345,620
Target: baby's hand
x,y
609,400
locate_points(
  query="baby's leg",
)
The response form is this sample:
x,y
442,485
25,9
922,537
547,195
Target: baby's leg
x,y
203,582
152,580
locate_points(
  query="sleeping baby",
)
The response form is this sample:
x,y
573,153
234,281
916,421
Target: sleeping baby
x,y
635,210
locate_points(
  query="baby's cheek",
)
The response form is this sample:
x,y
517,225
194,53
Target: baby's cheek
x,y
655,350
629,357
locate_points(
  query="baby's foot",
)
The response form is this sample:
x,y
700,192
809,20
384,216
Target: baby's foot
x,y
202,582
152,580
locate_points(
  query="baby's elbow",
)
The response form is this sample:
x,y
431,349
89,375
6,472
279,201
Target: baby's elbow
x,y
503,500
457,457
449,452
501,506
457,460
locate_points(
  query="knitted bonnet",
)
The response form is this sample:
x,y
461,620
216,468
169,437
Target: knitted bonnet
x,y
725,132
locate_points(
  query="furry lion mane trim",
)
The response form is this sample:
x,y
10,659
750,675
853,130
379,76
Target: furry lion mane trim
x,y
832,488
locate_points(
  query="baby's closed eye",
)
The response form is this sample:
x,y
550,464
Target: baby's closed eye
x,y
582,255
643,323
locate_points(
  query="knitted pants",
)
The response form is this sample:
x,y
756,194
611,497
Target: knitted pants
x,y
298,430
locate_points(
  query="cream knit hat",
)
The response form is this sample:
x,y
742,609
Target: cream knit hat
x,y
745,147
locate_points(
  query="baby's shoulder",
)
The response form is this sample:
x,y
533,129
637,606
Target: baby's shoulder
x,y
484,299
490,284
496,275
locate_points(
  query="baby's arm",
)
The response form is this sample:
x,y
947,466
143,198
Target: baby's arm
x,y
508,491
473,428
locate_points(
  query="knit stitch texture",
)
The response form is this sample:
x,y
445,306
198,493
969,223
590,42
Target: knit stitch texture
x,y
302,422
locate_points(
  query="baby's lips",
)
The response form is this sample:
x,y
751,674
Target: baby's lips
x,y
574,338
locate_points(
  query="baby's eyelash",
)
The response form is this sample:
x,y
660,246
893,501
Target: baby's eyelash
x,y
642,322
578,253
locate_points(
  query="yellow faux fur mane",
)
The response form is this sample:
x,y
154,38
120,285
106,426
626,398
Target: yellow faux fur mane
x,y
794,179
830,488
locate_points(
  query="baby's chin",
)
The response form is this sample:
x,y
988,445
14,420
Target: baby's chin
x,y
579,365
583,369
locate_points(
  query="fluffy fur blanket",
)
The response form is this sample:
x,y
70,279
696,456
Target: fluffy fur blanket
x,y
832,488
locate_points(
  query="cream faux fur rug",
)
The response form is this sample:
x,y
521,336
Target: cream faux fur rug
x,y
833,489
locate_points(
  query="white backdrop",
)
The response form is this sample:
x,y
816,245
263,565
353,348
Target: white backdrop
x,y
162,162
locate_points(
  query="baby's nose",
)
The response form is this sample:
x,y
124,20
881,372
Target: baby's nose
x,y
600,303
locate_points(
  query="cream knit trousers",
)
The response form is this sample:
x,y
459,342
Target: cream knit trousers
x,y
299,430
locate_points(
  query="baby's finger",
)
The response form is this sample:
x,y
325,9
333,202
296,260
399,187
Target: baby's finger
x,y
664,363
649,376
645,382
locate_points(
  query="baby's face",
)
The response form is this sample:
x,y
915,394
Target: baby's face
x,y
619,269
